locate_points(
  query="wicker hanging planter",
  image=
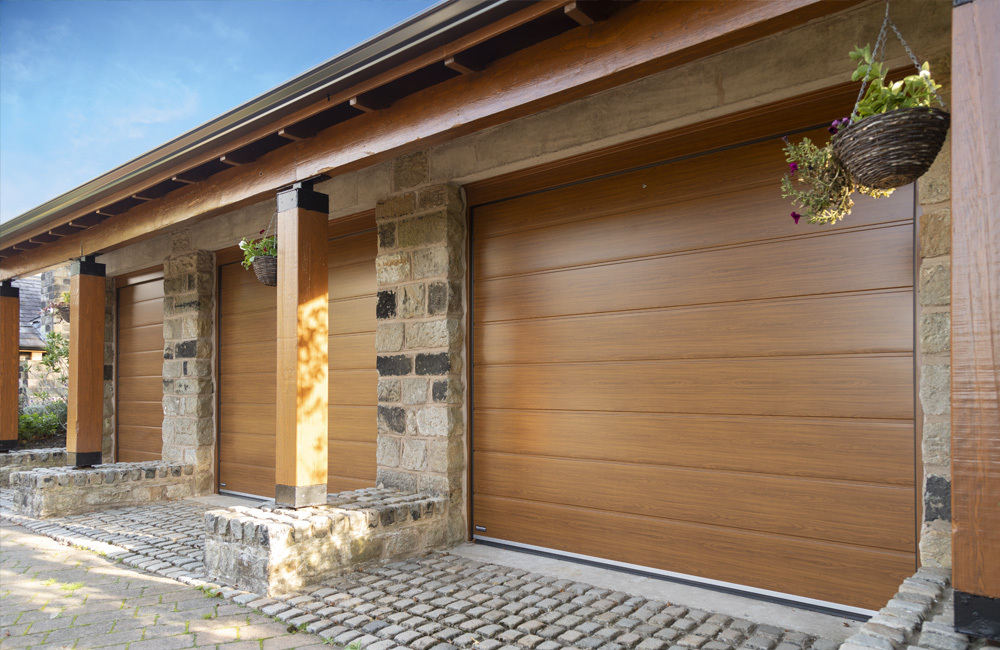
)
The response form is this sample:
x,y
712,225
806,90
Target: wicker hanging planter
x,y
266,268
892,149
63,311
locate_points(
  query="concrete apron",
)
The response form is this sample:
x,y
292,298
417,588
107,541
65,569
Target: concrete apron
x,y
108,532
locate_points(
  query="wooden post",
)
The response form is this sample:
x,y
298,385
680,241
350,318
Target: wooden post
x,y
975,318
303,328
85,418
10,335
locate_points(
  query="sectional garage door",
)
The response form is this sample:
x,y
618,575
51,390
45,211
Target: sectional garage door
x,y
668,372
140,371
247,330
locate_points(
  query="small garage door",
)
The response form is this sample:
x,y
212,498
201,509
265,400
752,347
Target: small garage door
x,y
670,373
247,330
140,371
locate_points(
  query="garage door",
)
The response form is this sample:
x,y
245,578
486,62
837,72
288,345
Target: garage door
x,y
247,331
140,371
668,372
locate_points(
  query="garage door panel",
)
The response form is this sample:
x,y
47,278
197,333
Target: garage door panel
x,y
825,571
142,292
141,364
353,280
137,314
245,298
352,316
253,417
250,327
352,459
354,387
352,351
145,414
816,509
841,324
353,423
702,176
140,389
354,249
835,263
860,387
257,387
247,479
877,452
142,339
724,219
247,448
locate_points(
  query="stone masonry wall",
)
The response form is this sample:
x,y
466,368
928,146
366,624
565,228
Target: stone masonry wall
x,y
188,384
273,550
60,491
420,271
25,459
934,334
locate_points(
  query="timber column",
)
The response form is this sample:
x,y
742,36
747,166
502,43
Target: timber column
x,y
303,356
10,325
85,417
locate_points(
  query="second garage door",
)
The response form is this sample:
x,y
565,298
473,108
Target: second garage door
x,y
140,370
247,345
668,372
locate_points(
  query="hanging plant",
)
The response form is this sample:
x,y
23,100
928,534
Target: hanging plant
x,y
262,255
890,140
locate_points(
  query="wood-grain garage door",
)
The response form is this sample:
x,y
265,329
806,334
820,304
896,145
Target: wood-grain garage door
x,y
670,373
140,371
247,330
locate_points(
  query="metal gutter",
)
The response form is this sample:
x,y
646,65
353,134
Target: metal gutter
x,y
429,29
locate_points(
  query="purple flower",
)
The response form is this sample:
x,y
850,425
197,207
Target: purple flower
x,y
796,216
794,167
832,129
262,231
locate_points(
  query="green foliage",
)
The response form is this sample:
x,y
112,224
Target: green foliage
x,y
56,356
914,90
42,422
818,184
254,248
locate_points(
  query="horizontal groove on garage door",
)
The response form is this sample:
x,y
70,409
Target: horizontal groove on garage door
x,y
669,372
139,387
247,377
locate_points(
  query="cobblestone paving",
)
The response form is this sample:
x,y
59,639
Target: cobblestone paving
x,y
436,602
56,596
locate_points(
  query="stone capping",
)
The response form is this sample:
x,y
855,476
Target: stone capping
x,y
25,459
273,549
918,616
57,491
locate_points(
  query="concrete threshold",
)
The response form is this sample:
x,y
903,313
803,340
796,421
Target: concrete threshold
x,y
818,624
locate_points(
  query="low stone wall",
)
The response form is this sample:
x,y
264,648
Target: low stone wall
x,y
18,461
53,492
273,550
919,617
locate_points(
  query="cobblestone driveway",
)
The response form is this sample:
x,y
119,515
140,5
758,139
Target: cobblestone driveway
x,y
436,602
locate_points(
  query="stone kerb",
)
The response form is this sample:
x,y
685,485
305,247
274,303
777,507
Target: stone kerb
x,y
28,459
55,492
273,550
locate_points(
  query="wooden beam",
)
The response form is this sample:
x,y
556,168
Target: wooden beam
x,y
588,12
369,103
464,64
44,238
638,40
188,178
85,401
303,356
10,325
296,132
975,318
234,158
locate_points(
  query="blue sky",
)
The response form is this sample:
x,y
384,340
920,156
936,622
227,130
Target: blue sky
x,y
86,85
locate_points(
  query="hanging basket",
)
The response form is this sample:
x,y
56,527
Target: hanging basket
x,y
266,268
892,149
63,311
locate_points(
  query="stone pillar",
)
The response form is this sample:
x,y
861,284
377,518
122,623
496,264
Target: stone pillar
x,y
934,360
303,332
85,401
108,437
188,386
10,324
54,284
420,270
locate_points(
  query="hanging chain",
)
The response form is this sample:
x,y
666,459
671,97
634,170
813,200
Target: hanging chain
x,y
879,44
270,225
